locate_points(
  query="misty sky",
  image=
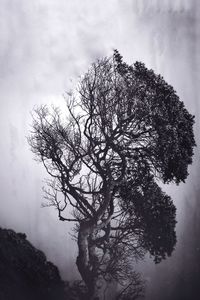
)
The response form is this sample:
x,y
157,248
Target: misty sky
x,y
45,45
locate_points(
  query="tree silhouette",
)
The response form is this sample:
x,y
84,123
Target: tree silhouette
x,y
124,129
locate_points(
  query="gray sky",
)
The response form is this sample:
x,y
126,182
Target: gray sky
x,y
44,46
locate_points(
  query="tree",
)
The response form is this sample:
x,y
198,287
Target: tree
x,y
125,128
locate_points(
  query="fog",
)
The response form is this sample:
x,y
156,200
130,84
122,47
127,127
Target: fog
x,y
45,45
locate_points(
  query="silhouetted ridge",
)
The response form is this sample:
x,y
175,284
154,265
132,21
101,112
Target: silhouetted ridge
x,y
25,272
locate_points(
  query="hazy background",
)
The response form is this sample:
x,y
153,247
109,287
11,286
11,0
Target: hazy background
x,y
44,46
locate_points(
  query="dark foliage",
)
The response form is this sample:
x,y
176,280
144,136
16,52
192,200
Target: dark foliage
x,y
151,215
159,111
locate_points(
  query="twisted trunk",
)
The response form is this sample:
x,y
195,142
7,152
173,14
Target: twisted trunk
x,y
87,261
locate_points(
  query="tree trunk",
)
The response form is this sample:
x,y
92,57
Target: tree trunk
x,y
87,262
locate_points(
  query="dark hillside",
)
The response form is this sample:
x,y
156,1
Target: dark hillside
x,y
24,271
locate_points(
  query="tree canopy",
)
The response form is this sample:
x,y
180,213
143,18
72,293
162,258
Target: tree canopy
x,y
125,129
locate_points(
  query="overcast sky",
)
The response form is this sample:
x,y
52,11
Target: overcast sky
x,y
44,46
